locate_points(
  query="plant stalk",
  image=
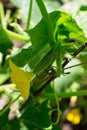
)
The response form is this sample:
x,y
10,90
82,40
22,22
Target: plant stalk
x,y
29,15
46,19
66,94
16,36
2,13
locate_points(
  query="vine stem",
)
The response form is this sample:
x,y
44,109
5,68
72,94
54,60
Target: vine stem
x,y
46,19
57,103
38,92
29,14
51,96
2,14
16,36
75,54
83,63
67,94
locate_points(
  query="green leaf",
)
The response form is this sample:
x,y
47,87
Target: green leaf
x,y
21,57
31,126
67,27
4,119
56,127
39,34
5,123
37,115
5,42
38,54
83,8
41,54
14,124
30,56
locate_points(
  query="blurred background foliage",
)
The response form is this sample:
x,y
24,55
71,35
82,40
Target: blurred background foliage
x,y
74,110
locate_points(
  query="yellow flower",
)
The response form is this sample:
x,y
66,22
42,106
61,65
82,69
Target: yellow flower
x,y
21,79
74,116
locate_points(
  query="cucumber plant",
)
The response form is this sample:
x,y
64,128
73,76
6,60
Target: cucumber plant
x,y
51,45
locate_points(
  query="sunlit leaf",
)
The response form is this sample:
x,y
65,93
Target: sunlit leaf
x,y
21,79
83,8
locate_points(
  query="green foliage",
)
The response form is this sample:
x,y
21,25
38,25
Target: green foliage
x,y
37,115
5,123
5,42
56,127
66,28
83,8
48,58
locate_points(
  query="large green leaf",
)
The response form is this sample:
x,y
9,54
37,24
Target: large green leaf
x,y
38,34
38,54
4,119
63,25
21,56
56,127
83,8
30,57
64,28
74,29
30,126
37,115
41,54
5,123
70,25
5,42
